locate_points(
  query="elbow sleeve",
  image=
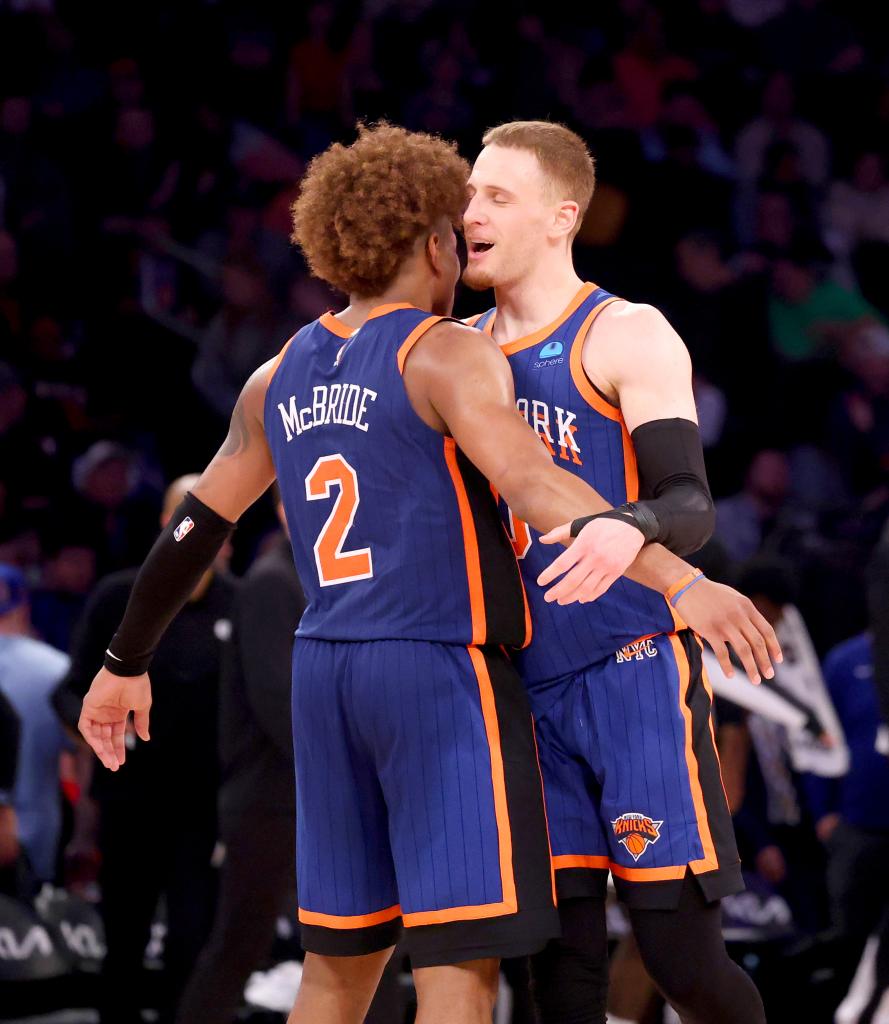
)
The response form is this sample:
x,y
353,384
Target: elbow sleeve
x,y
673,483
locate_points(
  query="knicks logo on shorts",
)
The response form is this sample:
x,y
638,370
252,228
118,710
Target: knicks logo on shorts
x,y
635,832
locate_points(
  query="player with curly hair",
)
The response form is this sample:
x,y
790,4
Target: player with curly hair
x,y
387,426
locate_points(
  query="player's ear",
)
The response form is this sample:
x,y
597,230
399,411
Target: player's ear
x,y
565,217
433,252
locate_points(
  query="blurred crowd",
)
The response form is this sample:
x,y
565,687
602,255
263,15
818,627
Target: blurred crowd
x,y
146,173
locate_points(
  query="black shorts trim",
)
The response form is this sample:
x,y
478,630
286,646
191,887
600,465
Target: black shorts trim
x,y
316,938
573,883
521,934
665,895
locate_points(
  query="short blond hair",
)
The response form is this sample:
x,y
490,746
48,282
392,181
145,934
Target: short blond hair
x,y
562,154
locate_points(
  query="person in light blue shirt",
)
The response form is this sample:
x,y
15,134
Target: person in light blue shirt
x,y
29,672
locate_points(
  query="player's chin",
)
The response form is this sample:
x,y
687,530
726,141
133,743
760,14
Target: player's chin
x,y
478,279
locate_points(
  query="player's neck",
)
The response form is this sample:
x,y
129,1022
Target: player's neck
x,y
534,301
406,288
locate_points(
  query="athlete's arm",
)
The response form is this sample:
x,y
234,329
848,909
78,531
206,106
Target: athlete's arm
x,y
239,473
639,362
460,383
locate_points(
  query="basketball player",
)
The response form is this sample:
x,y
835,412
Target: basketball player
x,y
418,795
622,708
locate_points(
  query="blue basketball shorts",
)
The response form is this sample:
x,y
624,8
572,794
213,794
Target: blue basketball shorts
x,y
632,778
420,810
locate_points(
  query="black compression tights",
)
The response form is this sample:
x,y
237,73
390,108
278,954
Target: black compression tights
x,y
683,951
569,977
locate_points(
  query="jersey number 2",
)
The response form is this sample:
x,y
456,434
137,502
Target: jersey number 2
x,y
334,564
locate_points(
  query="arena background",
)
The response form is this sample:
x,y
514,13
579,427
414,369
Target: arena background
x,y
148,156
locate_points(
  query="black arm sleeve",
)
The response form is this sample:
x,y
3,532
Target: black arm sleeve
x,y
180,556
673,483
9,743
878,612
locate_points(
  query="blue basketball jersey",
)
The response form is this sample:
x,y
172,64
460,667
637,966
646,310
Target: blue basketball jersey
x,y
396,535
587,436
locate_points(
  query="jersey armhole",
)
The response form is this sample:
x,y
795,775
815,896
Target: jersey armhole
x,y
279,358
588,390
422,327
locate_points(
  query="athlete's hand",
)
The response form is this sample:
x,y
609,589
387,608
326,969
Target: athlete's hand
x,y
106,709
722,616
600,553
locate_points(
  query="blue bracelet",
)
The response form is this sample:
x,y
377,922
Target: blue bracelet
x,y
679,593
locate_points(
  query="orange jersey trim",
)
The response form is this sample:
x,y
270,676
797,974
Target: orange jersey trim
x,y
648,874
470,544
278,358
422,327
356,921
577,861
544,332
479,911
631,470
578,374
388,307
592,397
509,903
498,778
329,322
709,861
471,321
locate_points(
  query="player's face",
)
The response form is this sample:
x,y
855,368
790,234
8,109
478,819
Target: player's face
x,y
449,270
508,217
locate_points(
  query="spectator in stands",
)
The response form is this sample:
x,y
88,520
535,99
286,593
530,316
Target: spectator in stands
x,y
29,673
778,121
69,574
115,505
10,729
744,521
807,309
853,816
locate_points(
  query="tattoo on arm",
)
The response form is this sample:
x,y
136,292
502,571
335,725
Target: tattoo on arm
x,y
238,438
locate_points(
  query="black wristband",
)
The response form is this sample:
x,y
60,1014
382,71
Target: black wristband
x,y
180,556
633,513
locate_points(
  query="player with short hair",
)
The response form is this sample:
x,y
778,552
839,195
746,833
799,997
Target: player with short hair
x,y
622,706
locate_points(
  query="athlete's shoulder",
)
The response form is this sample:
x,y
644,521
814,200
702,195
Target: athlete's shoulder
x,y
630,329
452,347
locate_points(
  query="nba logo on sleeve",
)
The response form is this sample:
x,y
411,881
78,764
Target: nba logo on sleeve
x,y
636,832
185,527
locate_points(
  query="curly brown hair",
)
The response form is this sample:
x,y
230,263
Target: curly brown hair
x,y
362,208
